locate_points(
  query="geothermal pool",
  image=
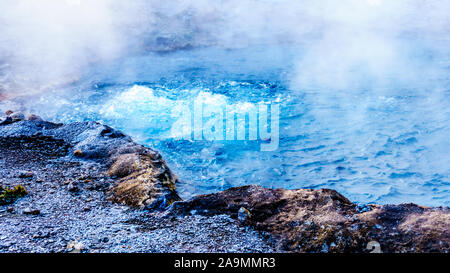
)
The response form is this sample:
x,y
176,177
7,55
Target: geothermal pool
x,y
372,143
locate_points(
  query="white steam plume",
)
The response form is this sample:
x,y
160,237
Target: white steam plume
x,y
48,41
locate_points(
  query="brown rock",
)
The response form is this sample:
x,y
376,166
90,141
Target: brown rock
x,y
34,117
409,228
124,165
146,181
78,153
325,221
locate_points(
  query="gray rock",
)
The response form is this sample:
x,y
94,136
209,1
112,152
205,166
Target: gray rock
x,y
26,174
17,116
6,121
73,186
34,117
30,211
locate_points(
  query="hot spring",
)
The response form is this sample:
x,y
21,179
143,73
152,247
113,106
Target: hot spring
x,y
373,143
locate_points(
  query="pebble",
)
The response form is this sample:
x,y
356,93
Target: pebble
x,y
34,117
17,116
243,214
75,247
41,235
78,153
6,245
26,174
104,240
6,121
30,211
73,187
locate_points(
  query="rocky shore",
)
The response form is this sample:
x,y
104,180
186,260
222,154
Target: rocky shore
x,y
90,188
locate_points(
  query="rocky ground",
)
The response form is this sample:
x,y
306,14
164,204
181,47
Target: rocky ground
x,y
92,189
325,221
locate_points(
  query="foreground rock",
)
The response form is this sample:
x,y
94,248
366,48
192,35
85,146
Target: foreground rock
x,y
72,173
325,221
144,180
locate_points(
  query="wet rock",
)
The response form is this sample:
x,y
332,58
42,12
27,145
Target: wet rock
x,y
17,116
324,220
6,121
111,133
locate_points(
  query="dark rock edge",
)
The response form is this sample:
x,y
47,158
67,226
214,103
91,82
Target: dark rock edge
x,y
300,220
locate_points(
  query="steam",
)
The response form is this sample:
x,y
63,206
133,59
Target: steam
x,y
375,44
48,42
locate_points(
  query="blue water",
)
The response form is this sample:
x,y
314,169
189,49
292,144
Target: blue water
x,y
383,144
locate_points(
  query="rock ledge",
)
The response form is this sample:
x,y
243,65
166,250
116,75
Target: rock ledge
x,y
323,220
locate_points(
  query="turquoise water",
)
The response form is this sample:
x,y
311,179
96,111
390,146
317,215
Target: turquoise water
x,y
373,143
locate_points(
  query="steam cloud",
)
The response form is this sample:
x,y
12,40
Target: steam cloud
x,y
49,42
